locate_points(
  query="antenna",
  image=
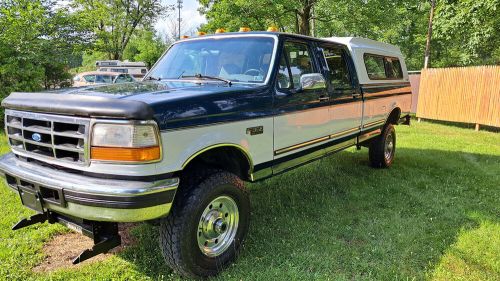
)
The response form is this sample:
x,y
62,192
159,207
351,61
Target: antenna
x,y
179,7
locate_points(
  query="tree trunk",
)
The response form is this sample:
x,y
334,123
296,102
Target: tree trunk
x,y
297,22
429,36
305,20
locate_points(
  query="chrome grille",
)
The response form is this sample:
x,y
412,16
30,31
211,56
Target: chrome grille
x,y
46,136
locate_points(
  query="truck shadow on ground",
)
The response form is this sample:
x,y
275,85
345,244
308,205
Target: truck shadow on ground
x,y
339,218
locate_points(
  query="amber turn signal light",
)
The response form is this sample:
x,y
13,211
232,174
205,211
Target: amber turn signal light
x,y
125,154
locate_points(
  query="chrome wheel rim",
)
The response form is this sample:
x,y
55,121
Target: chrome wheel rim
x,y
218,226
389,147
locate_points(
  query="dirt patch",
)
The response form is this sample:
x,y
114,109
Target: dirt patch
x,y
62,249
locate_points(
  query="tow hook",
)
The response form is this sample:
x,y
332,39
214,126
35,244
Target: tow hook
x,y
104,234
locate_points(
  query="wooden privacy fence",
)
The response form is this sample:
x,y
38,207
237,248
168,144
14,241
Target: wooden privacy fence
x,y
461,94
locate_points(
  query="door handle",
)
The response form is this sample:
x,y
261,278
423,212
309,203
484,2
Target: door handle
x,y
356,95
323,98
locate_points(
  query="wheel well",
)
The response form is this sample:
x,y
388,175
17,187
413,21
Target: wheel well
x,y
394,116
228,158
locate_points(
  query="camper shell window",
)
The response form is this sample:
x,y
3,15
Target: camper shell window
x,y
382,67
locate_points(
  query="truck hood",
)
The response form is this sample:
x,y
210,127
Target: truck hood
x,y
154,91
125,101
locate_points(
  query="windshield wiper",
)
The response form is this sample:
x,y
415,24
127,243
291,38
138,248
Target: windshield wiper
x,y
153,78
200,76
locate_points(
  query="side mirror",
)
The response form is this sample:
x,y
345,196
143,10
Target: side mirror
x,y
312,81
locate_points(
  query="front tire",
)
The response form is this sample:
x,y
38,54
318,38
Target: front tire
x,y
207,225
383,148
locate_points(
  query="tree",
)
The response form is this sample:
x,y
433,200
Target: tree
x,y
402,23
145,46
398,22
467,32
289,15
37,40
115,21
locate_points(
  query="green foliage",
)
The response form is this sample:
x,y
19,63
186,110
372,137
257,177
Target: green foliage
x,y
434,215
114,22
88,61
144,46
221,14
36,43
41,40
288,15
402,23
467,32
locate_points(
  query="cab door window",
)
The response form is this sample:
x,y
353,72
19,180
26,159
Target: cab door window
x,y
284,80
296,61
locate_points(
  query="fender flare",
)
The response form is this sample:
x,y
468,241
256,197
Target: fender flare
x,y
219,145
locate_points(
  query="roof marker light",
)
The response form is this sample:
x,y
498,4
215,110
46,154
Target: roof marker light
x,y
201,33
184,37
245,29
272,29
220,30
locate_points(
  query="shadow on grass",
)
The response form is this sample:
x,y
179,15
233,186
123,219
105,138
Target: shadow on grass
x,y
460,125
338,218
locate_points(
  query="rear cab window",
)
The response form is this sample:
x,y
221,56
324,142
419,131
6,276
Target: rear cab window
x,y
382,67
337,67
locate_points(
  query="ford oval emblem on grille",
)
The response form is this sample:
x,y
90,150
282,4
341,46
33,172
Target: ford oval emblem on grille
x,y
36,137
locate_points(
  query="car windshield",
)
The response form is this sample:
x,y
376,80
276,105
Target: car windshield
x,y
238,59
104,78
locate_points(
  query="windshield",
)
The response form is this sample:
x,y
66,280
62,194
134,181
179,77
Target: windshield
x,y
238,59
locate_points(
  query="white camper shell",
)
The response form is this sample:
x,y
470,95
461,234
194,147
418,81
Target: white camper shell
x,y
364,51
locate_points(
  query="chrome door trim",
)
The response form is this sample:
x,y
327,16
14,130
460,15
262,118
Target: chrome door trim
x,y
374,123
315,141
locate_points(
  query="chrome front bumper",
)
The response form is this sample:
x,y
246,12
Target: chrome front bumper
x,y
87,197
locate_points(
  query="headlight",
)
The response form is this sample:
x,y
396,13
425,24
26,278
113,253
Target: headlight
x,y
125,143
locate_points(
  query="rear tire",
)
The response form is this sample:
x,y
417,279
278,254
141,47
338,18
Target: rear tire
x,y
207,224
383,148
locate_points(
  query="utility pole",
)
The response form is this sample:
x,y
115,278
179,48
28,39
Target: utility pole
x,y
179,7
429,35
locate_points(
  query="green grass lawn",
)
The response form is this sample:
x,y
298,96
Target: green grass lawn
x,y
434,215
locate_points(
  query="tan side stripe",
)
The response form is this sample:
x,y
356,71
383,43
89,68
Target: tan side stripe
x,y
297,146
373,123
314,141
339,134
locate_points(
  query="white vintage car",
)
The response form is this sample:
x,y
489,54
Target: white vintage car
x,y
100,77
